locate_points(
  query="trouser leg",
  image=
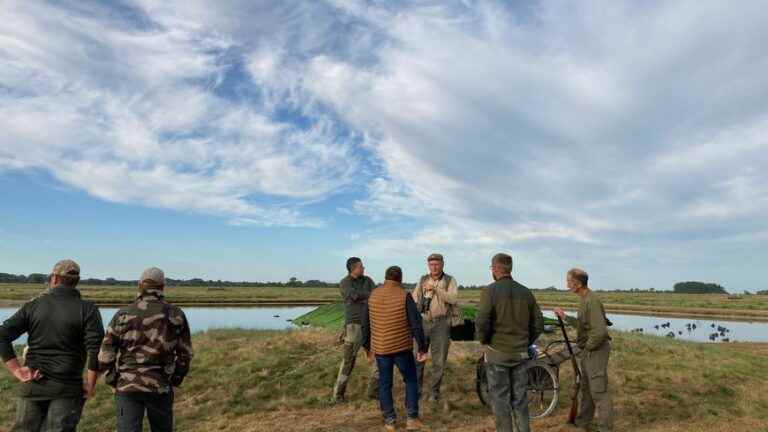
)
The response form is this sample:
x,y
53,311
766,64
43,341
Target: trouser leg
x,y
597,369
130,412
499,392
385,364
439,346
520,398
407,366
64,414
352,343
29,415
160,412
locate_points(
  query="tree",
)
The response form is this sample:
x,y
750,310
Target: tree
x,y
698,288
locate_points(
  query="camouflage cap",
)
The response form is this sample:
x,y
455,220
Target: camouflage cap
x,y
153,274
66,267
435,257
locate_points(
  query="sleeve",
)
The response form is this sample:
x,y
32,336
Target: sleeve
x,y
12,328
183,353
417,292
536,324
110,345
93,336
571,321
366,328
598,329
414,322
350,293
484,319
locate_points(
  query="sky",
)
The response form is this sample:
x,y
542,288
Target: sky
x,y
263,140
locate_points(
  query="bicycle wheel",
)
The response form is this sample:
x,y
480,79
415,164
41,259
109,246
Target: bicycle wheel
x,y
543,389
481,381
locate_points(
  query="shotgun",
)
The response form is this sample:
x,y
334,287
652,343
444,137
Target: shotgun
x,y
577,376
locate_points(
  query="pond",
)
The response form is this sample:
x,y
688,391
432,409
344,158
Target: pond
x,y
205,318
692,329
278,318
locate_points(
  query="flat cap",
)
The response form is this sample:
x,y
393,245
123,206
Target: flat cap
x,y
66,267
435,257
153,274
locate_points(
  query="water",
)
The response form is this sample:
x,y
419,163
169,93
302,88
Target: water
x,y
263,318
738,331
205,318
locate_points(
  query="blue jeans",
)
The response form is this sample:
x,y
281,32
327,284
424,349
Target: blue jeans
x,y
407,366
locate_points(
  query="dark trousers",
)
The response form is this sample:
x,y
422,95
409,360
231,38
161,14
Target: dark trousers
x,y
132,406
407,365
56,415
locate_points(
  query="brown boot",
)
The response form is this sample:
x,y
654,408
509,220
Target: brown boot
x,y
413,424
390,427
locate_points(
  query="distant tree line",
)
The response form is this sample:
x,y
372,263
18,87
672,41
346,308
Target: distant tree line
x,y
698,288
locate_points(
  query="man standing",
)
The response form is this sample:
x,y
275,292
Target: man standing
x,y
147,352
436,297
594,342
355,289
63,335
390,325
508,322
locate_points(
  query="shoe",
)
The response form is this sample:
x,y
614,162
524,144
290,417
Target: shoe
x,y
433,399
338,400
413,424
390,427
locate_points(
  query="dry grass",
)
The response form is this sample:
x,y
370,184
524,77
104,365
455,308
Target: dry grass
x,y
280,381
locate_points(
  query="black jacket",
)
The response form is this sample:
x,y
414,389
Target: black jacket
x,y
63,332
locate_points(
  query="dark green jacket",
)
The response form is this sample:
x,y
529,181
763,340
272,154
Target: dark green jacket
x,y
355,293
64,331
508,321
591,325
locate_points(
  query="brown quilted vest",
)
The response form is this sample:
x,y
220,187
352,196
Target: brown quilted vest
x,y
389,324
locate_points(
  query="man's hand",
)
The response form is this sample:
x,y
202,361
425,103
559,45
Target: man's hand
x,y
89,390
369,356
27,375
421,357
560,312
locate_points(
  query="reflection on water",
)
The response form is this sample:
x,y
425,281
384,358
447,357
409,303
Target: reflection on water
x,y
278,318
693,329
205,318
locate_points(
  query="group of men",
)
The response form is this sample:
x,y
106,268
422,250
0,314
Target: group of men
x,y
145,354
397,328
146,350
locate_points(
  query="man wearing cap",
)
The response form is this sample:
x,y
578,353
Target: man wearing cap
x,y
508,322
355,289
594,341
146,352
63,336
436,297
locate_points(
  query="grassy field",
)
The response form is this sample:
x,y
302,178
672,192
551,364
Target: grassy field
x,y
747,307
257,381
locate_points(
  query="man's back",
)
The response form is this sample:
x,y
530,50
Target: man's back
x,y
509,320
150,340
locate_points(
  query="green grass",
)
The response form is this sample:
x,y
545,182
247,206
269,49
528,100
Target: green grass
x,y
331,316
281,380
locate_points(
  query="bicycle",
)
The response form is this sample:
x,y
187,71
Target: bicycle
x,y
543,379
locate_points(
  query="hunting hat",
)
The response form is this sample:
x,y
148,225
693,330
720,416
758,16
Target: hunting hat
x,y
66,267
435,257
154,275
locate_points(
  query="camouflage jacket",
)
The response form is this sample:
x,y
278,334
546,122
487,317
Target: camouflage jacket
x,y
148,345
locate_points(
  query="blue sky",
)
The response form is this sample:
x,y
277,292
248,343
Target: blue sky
x,y
263,140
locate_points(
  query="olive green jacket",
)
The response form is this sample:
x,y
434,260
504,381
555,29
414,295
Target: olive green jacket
x,y
508,321
592,328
